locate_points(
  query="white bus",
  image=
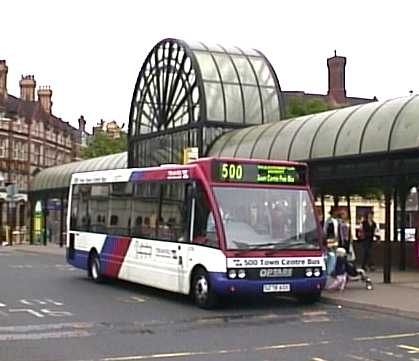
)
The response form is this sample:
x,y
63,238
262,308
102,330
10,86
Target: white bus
x,y
214,227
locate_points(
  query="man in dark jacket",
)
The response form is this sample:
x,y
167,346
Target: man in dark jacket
x,y
369,228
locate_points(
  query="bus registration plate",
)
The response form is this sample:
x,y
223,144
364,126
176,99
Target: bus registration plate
x,y
282,287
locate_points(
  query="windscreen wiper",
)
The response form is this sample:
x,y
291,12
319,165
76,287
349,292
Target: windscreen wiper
x,y
255,248
284,246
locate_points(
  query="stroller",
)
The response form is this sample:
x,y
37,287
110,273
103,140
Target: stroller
x,y
358,274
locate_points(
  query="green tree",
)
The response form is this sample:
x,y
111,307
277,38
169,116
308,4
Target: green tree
x,y
297,106
100,144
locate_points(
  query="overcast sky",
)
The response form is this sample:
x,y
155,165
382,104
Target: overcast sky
x,y
90,52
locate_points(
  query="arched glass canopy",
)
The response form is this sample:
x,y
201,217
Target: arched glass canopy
x,y
368,129
59,177
187,94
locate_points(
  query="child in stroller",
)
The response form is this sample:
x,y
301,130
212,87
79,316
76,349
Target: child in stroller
x,y
346,271
358,274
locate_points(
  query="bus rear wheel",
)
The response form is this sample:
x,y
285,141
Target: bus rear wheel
x,y
201,291
94,271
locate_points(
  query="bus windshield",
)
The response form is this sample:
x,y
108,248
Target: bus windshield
x,y
267,218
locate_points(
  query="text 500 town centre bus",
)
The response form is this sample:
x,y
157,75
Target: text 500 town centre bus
x,y
209,228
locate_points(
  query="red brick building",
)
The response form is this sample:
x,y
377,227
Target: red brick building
x,y
336,93
31,138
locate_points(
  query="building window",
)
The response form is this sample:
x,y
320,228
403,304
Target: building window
x,y
3,147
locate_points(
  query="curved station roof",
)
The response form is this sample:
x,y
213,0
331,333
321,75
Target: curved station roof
x,y
59,176
379,127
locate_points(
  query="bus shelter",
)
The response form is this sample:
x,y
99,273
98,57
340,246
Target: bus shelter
x,y
49,194
349,151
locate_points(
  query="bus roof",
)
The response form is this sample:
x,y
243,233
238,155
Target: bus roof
x,y
231,170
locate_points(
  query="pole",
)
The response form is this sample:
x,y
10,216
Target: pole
x,y
395,213
403,194
387,242
62,221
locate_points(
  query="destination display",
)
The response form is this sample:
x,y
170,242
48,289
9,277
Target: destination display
x,y
236,172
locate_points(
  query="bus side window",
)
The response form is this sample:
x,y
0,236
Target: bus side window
x,y
204,231
145,205
172,222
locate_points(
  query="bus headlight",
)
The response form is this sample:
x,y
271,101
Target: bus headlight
x,y
316,272
241,273
232,273
309,272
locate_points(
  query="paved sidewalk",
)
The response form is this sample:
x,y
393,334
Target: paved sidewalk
x,y
53,249
401,297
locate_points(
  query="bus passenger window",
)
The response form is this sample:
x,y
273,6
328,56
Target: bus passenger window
x,y
145,205
204,231
172,222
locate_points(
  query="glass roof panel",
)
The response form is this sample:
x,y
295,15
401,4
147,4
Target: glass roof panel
x,y
263,144
270,105
282,143
196,45
249,140
234,103
244,69
215,104
232,50
406,129
60,176
262,71
233,142
326,136
219,144
253,112
207,65
228,74
350,134
302,143
378,129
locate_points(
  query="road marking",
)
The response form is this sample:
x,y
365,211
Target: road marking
x,y
359,358
54,302
283,346
411,349
386,337
387,353
56,313
215,352
40,302
40,336
131,299
315,313
171,355
46,327
2,305
318,359
28,310
26,302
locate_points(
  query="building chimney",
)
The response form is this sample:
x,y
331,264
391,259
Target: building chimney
x,y
44,97
336,66
27,88
82,124
3,78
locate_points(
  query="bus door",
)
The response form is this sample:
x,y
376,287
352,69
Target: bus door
x,y
185,249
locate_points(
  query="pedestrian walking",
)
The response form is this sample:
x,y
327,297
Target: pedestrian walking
x,y
331,231
340,271
369,229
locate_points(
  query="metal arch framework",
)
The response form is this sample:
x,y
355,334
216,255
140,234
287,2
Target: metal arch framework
x,y
188,94
167,93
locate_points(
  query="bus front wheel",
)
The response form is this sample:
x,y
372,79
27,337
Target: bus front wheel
x,y
94,271
202,294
